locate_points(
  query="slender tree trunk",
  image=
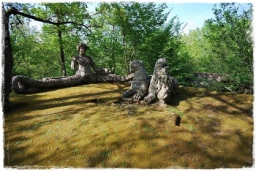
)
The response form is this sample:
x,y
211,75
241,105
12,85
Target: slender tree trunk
x,y
62,56
7,61
125,52
113,67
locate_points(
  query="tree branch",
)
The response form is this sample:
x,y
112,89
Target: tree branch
x,y
14,11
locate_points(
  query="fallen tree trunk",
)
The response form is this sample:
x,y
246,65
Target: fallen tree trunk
x,y
23,84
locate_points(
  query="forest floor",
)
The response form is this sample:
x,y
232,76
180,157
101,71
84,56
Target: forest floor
x,y
83,127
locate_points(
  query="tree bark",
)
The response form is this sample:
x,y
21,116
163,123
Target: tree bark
x,y
7,61
22,84
62,56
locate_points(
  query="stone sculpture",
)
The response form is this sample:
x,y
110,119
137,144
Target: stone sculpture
x,y
87,72
84,64
162,84
139,84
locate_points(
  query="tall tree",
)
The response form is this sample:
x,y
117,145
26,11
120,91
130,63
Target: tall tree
x,y
230,37
7,61
132,31
59,12
33,54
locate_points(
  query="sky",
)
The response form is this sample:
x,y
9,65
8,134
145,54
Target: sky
x,y
192,13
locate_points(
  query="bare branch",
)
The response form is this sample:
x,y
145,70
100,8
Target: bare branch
x,y
14,11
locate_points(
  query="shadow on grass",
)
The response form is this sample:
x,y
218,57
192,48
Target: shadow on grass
x,y
183,95
110,136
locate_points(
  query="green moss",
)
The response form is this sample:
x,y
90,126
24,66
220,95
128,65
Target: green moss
x,y
83,127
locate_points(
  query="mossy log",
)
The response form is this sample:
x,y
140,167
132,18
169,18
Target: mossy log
x,y
23,84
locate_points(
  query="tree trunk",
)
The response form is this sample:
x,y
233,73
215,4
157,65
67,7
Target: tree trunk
x,y
62,56
7,61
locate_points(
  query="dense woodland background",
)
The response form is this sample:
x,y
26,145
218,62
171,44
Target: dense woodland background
x,y
120,32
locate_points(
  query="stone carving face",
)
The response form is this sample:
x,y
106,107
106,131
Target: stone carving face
x,y
81,48
161,67
135,65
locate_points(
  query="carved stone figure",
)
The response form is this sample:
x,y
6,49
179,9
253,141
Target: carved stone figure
x,y
87,72
162,84
140,82
84,64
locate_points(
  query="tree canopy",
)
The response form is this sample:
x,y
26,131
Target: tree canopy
x,y
225,45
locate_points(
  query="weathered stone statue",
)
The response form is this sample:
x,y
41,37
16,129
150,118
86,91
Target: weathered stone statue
x,y
139,84
162,84
84,74
84,64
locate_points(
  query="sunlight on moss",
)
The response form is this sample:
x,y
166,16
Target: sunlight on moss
x,y
83,127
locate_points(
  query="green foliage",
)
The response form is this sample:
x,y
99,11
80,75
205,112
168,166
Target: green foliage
x,y
125,32
230,37
199,50
135,31
122,32
37,54
30,56
224,45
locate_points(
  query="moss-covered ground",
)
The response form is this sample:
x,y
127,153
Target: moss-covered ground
x,y
82,127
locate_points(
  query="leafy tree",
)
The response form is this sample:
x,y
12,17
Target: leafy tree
x,y
224,45
200,50
230,38
132,31
60,12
